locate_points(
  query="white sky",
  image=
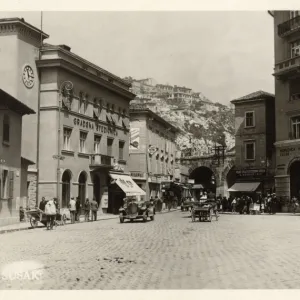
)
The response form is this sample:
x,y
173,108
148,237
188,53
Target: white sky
x,y
224,55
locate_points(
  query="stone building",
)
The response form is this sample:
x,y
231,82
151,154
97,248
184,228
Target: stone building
x,y
152,151
254,143
13,167
82,131
287,97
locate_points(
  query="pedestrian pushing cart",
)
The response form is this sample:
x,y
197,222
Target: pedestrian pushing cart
x,y
36,215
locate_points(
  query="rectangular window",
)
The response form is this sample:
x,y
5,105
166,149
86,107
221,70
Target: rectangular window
x,y
97,139
110,147
121,150
295,48
67,139
82,142
4,185
294,86
6,126
249,119
295,124
249,150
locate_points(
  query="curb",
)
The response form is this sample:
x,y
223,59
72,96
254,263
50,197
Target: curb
x,y
31,228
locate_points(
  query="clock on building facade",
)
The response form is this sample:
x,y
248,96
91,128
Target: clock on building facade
x,y
28,76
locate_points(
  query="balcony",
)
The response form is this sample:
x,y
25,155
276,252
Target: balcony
x,y
289,68
101,161
289,27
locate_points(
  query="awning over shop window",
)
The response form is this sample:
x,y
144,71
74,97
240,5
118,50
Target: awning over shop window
x,y
244,187
197,187
127,185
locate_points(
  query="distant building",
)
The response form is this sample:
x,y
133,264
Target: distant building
x,y
13,167
254,143
287,99
152,151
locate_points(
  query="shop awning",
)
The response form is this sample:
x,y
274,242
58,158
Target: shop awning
x,y
244,187
197,187
127,185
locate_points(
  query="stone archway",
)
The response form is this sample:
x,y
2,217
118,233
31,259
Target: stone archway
x,y
82,182
66,188
206,177
294,172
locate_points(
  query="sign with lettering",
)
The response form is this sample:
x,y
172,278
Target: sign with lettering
x,y
137,174
94,126
250,173
288,151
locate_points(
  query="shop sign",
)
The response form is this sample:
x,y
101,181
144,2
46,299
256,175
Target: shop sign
x,y
137,174
288,151
94,126
104,198
250,173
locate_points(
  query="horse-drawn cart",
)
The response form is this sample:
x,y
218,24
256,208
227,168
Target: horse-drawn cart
x,y
36,215
203,211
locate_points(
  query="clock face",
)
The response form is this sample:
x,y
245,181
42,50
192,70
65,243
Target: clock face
x,y
28,76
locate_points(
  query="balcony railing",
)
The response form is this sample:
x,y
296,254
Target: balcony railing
x,y
288,68
288,27
100,160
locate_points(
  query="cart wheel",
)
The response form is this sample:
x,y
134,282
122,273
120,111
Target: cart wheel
x,y
33,222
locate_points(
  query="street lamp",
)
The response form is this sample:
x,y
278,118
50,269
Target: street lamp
x,y
65,92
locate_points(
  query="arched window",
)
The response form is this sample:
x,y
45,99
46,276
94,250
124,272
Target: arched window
x,y
82,187
6,128
66,188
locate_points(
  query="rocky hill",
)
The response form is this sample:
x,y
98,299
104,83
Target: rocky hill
x,y
202,122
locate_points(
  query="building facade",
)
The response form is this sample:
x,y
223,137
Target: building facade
x,y
13,167
83,124
254,142
152,150
287,94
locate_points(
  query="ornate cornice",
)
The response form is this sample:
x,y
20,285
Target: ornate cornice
x,y
61,63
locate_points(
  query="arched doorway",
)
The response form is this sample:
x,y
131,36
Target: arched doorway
x,y
229,180
82,187
66,188
295,179
96,188
205,177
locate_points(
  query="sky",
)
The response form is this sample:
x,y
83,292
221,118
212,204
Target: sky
x,y
224,55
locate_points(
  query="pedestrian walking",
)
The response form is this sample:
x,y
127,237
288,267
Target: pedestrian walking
x,y
233,205
43,204
78,209
72,208
94,209
87,209
50,211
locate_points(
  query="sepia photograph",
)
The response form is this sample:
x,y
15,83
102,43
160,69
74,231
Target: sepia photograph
x,y
149,150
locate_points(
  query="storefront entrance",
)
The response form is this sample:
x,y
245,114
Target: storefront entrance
x,y
295,179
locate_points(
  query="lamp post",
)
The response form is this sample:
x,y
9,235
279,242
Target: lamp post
x,y
65,91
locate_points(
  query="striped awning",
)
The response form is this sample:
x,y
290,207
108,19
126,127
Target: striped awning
x,y
244,187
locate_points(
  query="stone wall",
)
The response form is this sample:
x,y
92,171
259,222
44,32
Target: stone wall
x,y
32,181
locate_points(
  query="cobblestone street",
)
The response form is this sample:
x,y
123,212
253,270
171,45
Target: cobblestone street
x,y
238,252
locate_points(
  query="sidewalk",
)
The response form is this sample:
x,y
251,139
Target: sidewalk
x,y
26,225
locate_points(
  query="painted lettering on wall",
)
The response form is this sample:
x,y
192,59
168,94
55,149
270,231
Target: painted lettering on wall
x,y
288,151
93,126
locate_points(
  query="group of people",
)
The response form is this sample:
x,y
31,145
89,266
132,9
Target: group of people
x,y
89,207
52,210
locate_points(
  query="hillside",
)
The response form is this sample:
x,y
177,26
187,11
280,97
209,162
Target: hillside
x,y
202,122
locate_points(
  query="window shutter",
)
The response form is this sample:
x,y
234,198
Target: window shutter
x,y
10,185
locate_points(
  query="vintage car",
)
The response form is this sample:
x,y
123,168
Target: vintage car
x,y
133,209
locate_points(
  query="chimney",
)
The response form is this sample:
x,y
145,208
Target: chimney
x,y
65,47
